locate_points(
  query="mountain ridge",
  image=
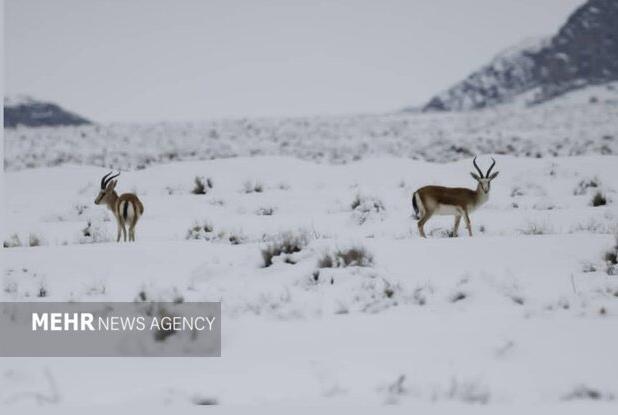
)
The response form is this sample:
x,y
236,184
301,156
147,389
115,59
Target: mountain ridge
x,y
583,52
23,110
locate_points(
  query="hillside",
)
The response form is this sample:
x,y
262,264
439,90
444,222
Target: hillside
x,y
28,112
584,52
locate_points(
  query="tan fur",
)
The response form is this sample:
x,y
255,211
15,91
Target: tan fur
x,y
455,201
115,203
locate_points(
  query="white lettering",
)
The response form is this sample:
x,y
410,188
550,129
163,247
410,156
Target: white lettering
x,y
40,321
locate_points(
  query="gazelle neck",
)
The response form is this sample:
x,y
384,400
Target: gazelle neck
x,y
111,200
481,195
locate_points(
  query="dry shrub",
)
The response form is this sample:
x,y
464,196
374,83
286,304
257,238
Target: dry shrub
x,y
585,184
202,185
284,243
366,207
351,257
599,199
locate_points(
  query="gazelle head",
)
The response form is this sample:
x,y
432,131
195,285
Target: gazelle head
x,y
484,181
107,187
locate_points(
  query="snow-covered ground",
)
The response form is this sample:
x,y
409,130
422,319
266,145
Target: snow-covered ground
x,y
522,313
582,122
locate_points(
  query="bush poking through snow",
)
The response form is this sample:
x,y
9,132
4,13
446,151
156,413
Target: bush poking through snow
x,y
80,209
34,240
206,231
585,184
395,390
365,208
284,243
162,333
458,296
611,259
464,391
93,234
202,185
204,401
253,187
265,211
536,228
234,238
42,291
583,392
13,241
351,257
199,230
599,199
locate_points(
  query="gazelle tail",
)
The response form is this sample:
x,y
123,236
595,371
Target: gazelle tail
x,y
415,206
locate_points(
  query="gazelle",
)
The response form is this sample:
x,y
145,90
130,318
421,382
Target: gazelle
x,y
456,201
126,208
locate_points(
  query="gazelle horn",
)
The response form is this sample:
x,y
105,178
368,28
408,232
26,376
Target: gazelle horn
x,y
106,179
477,167
491,167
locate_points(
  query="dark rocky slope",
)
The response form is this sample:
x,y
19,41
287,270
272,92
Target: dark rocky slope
x,y
583,52
31,113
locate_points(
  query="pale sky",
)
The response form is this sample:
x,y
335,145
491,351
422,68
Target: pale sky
x,y
155,60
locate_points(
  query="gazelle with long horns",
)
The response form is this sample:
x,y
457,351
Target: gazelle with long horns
x,y
456,201
127,208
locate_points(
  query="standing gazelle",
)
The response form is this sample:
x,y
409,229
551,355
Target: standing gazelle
x,y
126,208
456,201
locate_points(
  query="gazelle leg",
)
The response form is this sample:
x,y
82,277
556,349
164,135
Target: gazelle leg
x,y
467,219
132,225
121,227
422,222
456,225
119,232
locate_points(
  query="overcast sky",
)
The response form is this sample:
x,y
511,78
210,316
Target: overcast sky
x,y
150,60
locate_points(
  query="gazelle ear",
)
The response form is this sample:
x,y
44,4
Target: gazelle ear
x,y
112,184
475,176
493,175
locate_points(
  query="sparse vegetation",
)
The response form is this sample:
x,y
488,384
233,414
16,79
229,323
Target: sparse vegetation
x,y
395,390
42,292
199,230
202,185
583,392
284,243
34,240
253,187
350,257
13,241
464,391
80,208
585,184
599,199
458,296
206,231
611,259
93,233
265,211
536,228
204,401
366,207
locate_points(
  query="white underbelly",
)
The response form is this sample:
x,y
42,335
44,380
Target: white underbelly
x,y
446,210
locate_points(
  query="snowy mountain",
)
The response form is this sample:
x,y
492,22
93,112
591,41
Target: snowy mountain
x,y
23,110
584,52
